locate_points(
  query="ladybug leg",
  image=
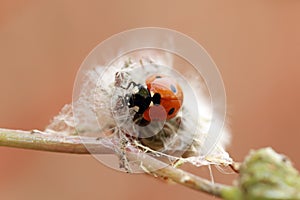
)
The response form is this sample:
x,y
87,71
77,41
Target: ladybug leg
x,y
143,122
139,120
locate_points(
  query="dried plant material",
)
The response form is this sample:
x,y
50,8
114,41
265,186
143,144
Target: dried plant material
x,y
99,107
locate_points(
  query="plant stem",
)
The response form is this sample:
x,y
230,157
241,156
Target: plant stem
x,y
184,178
38,140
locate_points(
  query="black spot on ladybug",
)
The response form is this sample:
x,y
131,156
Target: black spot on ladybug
x,y
156,98
173,88
171,111
158,76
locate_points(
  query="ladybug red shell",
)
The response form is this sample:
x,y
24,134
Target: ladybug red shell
x,y
160,100
170,95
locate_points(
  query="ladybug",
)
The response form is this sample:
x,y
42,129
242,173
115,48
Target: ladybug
x,y
160,100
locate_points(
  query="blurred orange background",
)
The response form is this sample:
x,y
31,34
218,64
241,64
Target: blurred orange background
x,y
256,46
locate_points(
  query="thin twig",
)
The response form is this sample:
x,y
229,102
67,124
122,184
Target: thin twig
x,y
38,140
159,169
